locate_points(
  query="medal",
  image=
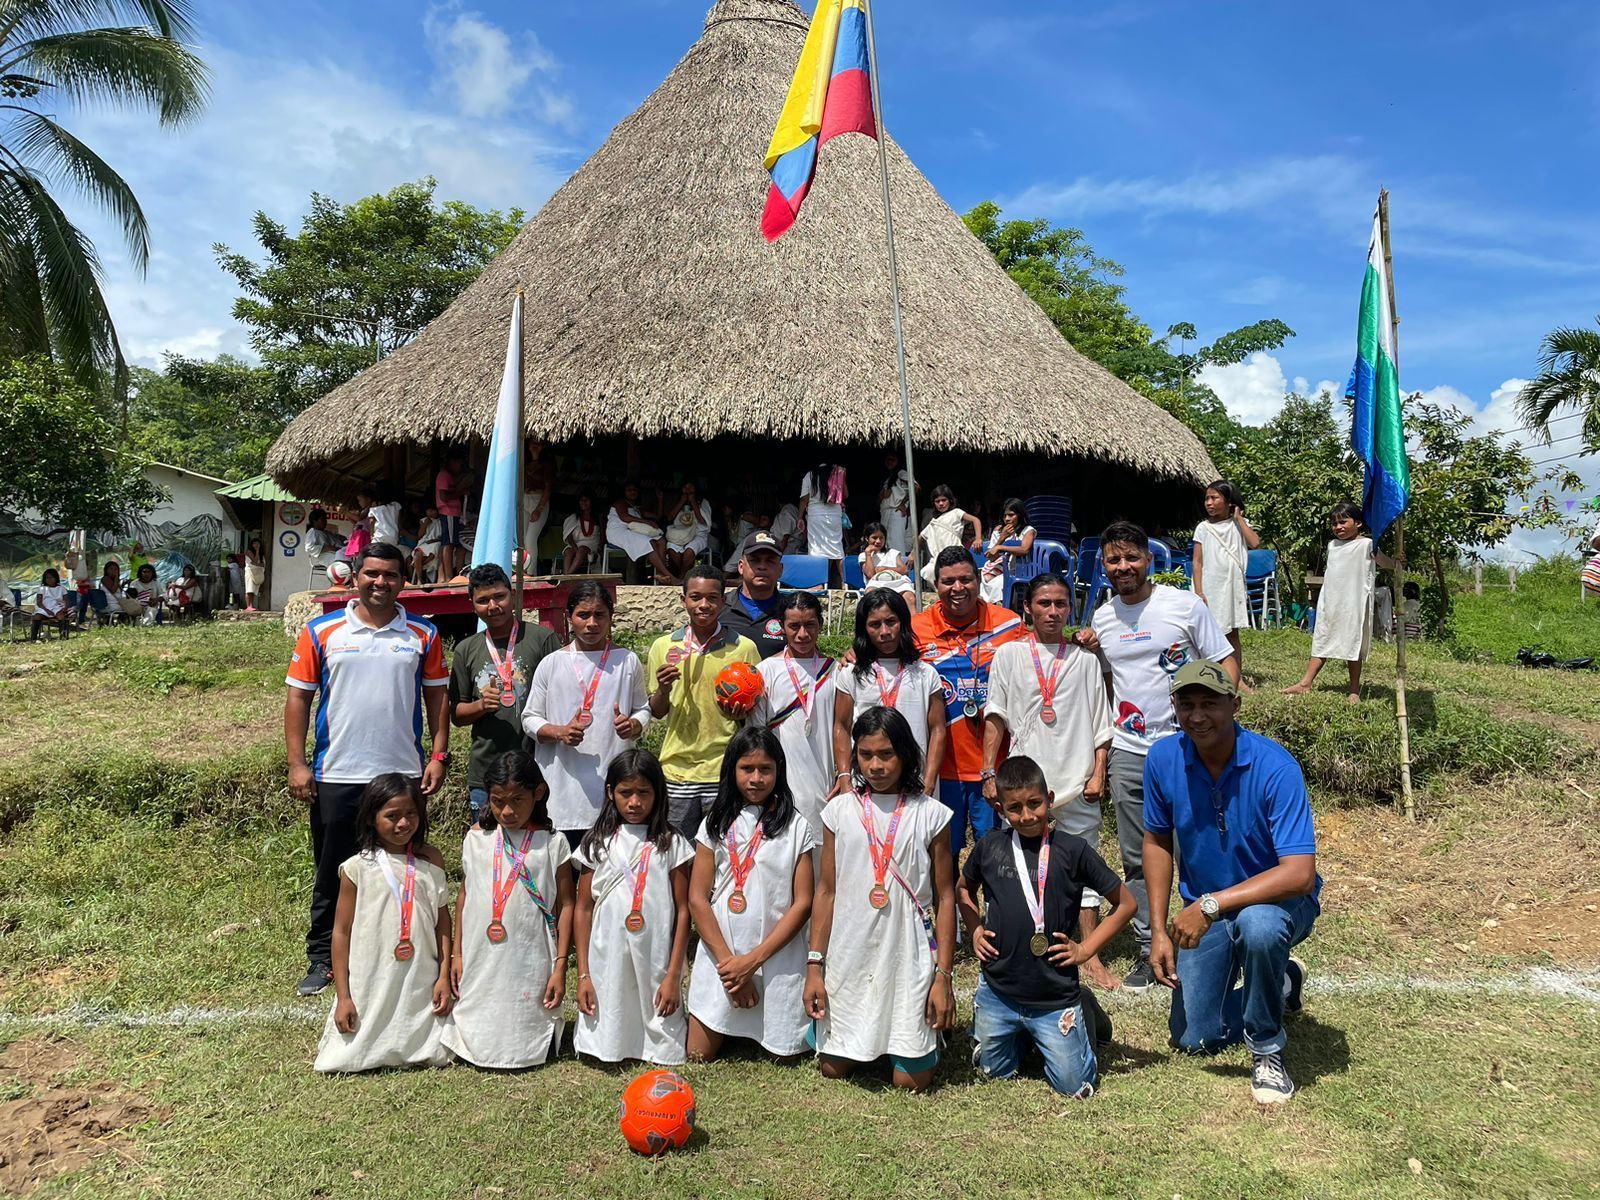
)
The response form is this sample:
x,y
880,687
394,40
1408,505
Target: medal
x,y
586,691
741,867
634,922
500,892
880,850
403,950
970,709
497,932
736,901
1034,895
1047,714
1038,943
505,667
807,699
675,656
1047,683
403,896
888,695
584,719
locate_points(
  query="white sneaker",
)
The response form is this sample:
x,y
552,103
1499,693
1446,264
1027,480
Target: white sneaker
x,y
1269,1081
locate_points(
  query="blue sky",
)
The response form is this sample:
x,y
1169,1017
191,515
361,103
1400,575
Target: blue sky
x,y
1228,155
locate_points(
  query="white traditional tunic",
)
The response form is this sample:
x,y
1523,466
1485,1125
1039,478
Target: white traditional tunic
x,y
1344,606
627,968
1222,564
779,1020
885,570
993,585
897,525
625,537
880,966
943,529
807,740
576,774
395,1025
824,521
581,532
918,686
500,1019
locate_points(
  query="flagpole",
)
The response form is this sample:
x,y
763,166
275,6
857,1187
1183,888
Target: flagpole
x,y
1398,574
894,295
518,551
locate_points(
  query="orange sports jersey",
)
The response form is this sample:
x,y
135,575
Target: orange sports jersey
x,y
962,656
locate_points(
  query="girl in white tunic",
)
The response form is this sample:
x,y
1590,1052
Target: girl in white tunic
x,y
883,566
1011,538
751,896
1222,543
586,704
796,703
888,671
947,527
580,539
391,939
632,921
822,496
884,921
509,974
1344,605
894,505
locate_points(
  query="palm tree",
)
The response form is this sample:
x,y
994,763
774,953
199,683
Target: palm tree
x,y
127,53
1569,377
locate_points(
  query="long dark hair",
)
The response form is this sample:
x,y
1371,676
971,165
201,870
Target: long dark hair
x,y
518,768
1015,504
779,808
586,591
866,653
897,729
378,793
1228,492
630,764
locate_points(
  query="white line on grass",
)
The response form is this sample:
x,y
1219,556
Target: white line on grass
x,y
1582,987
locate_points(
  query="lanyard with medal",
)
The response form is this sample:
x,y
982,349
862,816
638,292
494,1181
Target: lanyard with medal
x,y
807,699
888,695
634,923
1034,895
501,893
403,896
680,657
1047,683
880,850
741,868
585,716
505,667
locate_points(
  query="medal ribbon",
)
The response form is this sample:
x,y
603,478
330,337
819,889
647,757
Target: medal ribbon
x,y
501,894
881,850
1034,898
692,647
504,667
1047,685
808,699
638,878
892,694
403,896
586,704
741,869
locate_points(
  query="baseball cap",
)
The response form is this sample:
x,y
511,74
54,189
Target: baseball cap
x,y
759,540
1204,674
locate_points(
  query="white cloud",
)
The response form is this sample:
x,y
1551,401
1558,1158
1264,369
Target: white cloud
x,y
486,68
1252,391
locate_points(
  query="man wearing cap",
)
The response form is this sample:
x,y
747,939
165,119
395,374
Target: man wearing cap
x,y
752,609
1234,805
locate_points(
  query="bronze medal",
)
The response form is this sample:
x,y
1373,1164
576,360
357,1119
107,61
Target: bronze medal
x,y
403,950
635,922
584,719
1039,943
878,897
674,657
497,931
736,901
1047,714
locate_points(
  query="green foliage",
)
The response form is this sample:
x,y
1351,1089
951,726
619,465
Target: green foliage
x,y
219,417
56,452
357,281
1546,611
1176,579
57,53
1568,378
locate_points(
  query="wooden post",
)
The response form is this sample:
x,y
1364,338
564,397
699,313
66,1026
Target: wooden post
x,y
1511,574
1477,579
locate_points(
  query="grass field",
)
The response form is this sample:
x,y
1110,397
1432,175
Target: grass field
x,y
153,878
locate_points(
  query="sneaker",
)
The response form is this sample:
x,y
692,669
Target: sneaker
x,y
1141,979
316,981
1269,1081
1294,986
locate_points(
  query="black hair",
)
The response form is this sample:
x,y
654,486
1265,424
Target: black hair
x,y
586,591
789,601
1124,533
703,570
819,480
1015,504
943,491
636,763
1048,579
44,580
872,528
1019,772
383,552
110,562
897,729
953,556
779,809
1228,491
1412,590
374,796
317,514
487,576
867,653
1346,508
139,574
518,768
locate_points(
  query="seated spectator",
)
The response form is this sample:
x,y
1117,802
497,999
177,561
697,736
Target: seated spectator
x,y
145,590
430,536
183,592
688,529
641,540
580,538
110,597
50,606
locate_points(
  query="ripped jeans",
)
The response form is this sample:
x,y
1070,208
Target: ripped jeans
x,y
1060,1034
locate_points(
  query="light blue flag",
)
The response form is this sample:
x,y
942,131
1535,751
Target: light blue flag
x,y
500,514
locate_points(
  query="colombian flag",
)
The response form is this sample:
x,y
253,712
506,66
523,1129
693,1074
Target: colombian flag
x,y
831,94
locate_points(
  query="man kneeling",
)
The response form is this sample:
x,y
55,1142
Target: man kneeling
x,y
1033,877
1235,803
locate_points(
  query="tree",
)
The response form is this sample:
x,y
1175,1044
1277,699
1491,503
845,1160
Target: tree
x,y
57,455
52,53
219,418
357,281
1569,378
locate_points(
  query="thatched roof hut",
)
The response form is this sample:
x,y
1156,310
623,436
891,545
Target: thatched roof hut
x,y
656,310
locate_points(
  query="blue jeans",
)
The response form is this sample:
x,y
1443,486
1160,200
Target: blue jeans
x,y
1208,1012
477,800
964,798
998,1024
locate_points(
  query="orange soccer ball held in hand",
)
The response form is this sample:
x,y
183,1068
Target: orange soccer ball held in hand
x,y
739,684
657,1112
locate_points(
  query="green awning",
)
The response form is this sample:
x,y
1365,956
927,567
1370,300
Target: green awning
x,y
261,487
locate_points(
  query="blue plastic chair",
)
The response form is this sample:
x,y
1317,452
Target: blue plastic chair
x,y
804,573
1100,586
1051,517
1087,566
854,579
1046,555
1160,557
1261,588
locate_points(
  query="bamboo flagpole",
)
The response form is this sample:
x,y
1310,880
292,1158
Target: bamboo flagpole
x,y
519,551
894,296
1402,717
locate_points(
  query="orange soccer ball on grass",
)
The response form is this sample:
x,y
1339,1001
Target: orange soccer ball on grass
x,y
657,1112
739,684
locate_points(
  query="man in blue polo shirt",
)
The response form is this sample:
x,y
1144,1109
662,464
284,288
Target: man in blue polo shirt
x,y
1235,805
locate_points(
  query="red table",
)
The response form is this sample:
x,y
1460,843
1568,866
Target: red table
x,y
547,594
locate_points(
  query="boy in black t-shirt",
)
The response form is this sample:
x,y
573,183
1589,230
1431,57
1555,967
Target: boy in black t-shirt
x,y
1024,941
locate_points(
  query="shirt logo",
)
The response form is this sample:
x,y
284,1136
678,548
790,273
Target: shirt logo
x,y
1173,657
773,627
1130,719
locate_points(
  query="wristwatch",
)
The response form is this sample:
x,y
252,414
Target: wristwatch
x,y
987,773
1209,906
816,957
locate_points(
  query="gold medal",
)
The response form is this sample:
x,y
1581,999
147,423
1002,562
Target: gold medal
x,y
878,897
1039,943
496,931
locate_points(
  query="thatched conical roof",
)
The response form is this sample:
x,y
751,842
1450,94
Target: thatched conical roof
x,y
654,307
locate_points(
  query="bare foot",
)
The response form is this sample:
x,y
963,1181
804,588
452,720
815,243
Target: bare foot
x,y
1297,689
1096,973
1244,688
1353,698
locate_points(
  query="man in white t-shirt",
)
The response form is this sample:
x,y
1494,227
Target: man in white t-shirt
x,y
1146,632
